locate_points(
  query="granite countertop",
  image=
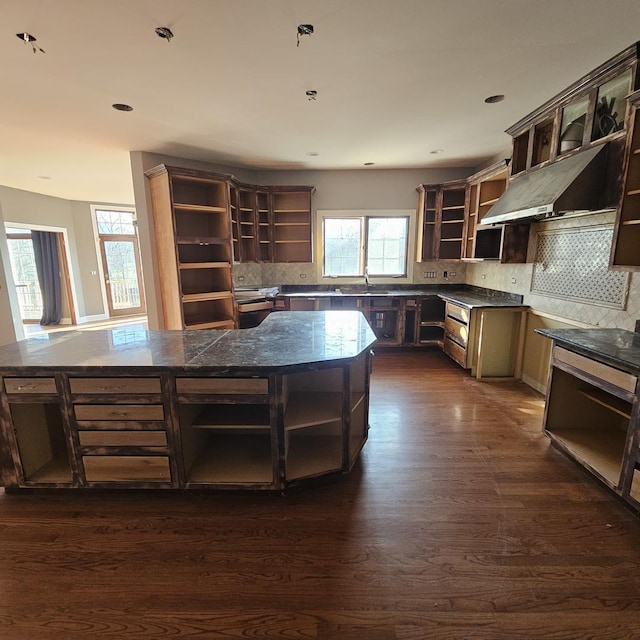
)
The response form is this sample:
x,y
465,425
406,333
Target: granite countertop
x,y
468,297
286,338
478,301
616,346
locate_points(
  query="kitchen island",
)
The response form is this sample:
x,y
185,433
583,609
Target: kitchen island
x,y
282,404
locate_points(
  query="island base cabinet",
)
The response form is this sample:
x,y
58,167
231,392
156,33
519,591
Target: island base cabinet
x,y
313,409
42,443
225,431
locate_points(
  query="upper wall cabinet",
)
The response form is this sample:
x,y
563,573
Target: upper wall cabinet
x,y
625,252
441,212
503,242
591,110
271,224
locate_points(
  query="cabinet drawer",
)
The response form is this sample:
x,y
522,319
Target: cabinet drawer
x,y
119,411
455,351
458,312
596,369
223,385
123,438
30,385
458,331
126,468
115,385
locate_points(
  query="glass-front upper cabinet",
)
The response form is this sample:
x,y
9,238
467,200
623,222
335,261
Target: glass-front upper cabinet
x,y
611,105
592,109
574,117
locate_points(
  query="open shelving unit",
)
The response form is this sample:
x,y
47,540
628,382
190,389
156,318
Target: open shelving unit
x,y
225,430
313,422
291,224
431,329
193,232
41,442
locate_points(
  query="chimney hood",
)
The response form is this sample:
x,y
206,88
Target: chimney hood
x,y
571,184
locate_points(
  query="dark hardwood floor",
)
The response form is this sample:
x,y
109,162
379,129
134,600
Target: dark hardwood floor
x,y
459,521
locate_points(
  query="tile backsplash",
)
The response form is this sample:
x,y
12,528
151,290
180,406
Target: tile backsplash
x,y
512,278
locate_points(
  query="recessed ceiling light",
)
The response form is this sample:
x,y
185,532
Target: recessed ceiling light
x,y
437,151
122,107
164,32
312,153
493,99
369,164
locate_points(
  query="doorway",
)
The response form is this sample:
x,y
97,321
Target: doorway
x,y
25,276
120,257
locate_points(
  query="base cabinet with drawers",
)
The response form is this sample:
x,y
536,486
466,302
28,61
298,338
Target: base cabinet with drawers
x,y
207,425
488,341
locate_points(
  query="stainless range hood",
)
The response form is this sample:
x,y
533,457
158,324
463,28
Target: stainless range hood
x,y
570,184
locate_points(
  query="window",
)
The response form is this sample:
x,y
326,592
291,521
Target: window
x,y
377,244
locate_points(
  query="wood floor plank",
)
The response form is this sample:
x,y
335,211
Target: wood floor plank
x,y
458,521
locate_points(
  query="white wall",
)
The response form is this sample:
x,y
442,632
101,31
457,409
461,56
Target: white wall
x,y
27,208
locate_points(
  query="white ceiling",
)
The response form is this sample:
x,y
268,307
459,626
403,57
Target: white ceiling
x,y
396,79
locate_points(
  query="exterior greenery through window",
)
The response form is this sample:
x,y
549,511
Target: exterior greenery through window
x,y
377,244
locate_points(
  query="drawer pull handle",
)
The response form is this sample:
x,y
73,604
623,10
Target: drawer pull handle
x,y
119,414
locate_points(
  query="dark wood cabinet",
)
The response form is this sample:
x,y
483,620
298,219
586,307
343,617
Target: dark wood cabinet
x,y
441,223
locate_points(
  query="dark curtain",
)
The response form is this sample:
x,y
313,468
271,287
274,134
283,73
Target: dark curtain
x,y
45,248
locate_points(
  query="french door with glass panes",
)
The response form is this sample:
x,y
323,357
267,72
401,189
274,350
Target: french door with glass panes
x,y
121,262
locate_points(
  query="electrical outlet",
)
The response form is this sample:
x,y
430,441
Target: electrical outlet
x,y
452,273
303,276
429,274
513,281
484,277
240,278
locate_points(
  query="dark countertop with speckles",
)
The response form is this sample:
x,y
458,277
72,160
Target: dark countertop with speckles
x,y
617,347
474,301
284,339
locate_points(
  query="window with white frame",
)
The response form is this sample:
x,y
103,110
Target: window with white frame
x,y
372,244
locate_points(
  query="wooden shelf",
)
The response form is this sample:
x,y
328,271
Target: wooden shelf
x,y
233,458
633,192
487,203
205,265
313,455
600,449
291,242
290,211
226,323
291,224
199,208
612,403
306,409
54,471
627,223
201,240
206,295
356,400
233,416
